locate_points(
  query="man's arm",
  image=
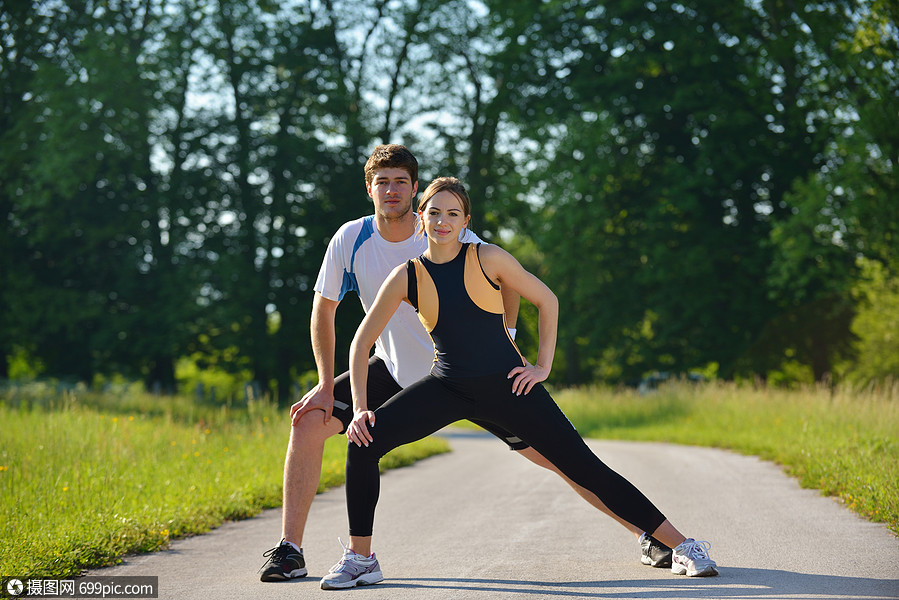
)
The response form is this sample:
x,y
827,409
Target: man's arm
x,y
324,337
324,340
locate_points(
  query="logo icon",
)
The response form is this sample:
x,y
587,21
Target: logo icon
x,y
15,587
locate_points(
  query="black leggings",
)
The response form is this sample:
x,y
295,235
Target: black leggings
x,y
432,403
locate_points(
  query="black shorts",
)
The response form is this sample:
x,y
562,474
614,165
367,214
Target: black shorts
x,y
381,388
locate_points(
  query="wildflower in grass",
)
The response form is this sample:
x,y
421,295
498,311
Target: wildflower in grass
x,y
5,468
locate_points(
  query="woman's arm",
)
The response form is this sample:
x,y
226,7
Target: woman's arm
x,y
511,306
392,293
504,269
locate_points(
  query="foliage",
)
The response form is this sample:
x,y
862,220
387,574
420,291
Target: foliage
x,y
687,128
698,176
876,326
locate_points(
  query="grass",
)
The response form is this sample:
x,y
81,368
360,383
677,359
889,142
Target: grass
x,y
843,442
87,478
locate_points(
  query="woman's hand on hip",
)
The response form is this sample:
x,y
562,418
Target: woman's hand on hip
x,y
526,377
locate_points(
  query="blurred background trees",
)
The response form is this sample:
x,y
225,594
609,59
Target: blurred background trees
x,y
706,186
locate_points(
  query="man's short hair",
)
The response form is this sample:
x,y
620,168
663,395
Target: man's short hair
x,y
391,156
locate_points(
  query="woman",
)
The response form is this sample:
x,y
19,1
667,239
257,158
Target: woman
x,y
455,288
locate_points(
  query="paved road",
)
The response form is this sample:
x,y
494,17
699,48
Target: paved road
x,y
482,523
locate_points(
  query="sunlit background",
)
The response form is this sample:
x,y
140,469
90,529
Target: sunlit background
x,y
709,187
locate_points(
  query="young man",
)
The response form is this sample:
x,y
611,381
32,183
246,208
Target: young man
x,y
359,258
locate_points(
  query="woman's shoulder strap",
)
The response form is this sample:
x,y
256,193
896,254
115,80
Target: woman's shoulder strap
x,y
412,288
476,254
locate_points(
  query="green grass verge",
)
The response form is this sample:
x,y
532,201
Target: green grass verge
x,y
87,478
842,442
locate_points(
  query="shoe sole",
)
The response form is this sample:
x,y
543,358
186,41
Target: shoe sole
x,y
295,574
367,579
709,571
658,564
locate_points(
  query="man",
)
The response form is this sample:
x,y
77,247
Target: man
x,y
360,256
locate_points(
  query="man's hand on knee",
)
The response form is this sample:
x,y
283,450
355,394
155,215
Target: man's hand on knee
x,y
318,398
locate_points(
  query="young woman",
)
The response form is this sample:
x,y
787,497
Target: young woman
x,y
478,373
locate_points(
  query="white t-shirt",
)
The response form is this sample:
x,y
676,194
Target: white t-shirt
x,y
359,259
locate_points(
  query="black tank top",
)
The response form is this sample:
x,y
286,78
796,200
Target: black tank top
x,y
462,310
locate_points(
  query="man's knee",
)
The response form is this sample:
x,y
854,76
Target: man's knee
x,y
312,429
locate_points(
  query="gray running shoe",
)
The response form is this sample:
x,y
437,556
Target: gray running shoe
x,y
691,558
654,553
352,570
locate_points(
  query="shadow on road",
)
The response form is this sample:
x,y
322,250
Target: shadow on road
x,y
734,582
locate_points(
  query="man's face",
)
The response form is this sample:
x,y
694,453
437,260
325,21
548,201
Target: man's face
x,y
392,191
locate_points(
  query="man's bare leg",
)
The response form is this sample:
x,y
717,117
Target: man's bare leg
x,y
302,471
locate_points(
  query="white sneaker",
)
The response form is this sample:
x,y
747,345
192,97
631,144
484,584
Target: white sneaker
x,y
352,570
691,558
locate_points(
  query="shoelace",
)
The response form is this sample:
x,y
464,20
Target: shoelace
x,y
347,554
697,549
340,564
279,552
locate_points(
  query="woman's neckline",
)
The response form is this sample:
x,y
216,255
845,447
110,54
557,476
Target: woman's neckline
x,y
454,257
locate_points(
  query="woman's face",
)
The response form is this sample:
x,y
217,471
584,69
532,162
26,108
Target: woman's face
x,y
444,218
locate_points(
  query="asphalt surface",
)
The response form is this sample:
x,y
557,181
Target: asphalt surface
x,y
481,522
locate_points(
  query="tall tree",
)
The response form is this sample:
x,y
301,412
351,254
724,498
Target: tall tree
x,y
290,156
72,184
847,208
671,134
20,39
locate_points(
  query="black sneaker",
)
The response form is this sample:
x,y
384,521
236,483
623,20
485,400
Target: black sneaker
x,y
655,553
284,563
